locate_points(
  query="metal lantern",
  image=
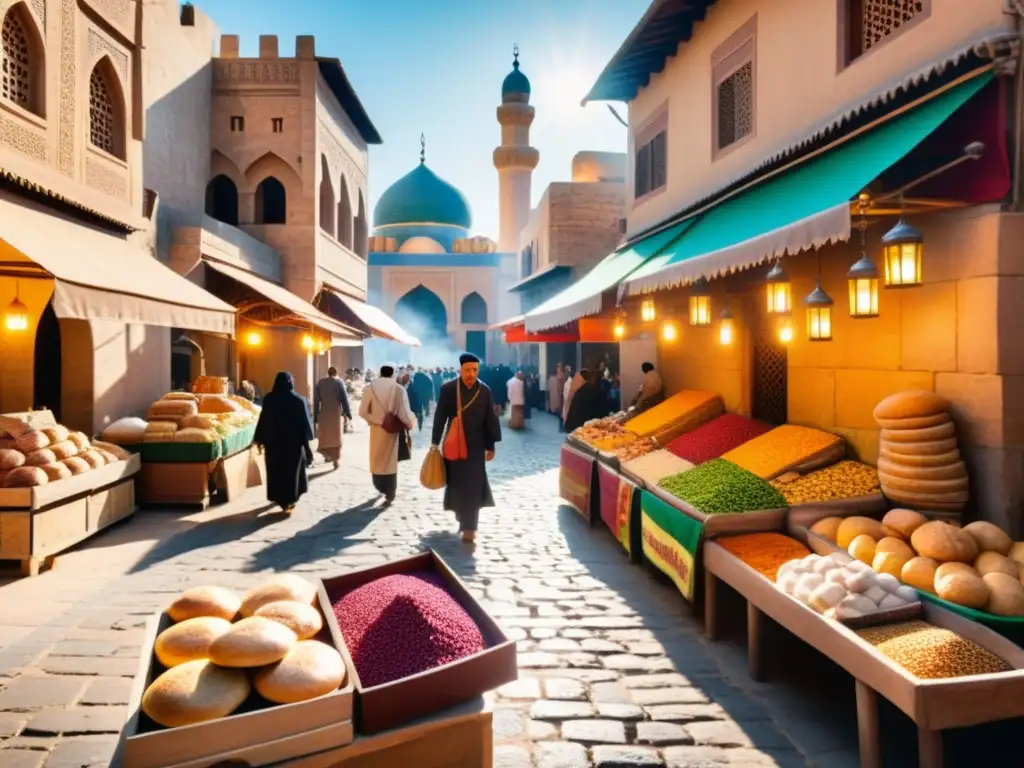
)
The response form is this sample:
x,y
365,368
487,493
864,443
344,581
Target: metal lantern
x,y
780,298
700,303
308,342
726,329
16,314
819,314
647,311
786,332
253,338
863,281
669,332
619,328
902,249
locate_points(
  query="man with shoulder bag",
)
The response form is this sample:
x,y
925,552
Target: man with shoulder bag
x,y
385,407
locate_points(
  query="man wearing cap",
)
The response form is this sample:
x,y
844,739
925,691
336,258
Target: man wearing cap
x,y
468,489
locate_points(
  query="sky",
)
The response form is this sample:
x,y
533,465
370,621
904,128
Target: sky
x,y
436,66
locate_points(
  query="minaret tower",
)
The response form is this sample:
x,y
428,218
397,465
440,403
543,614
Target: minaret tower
x,y
515,159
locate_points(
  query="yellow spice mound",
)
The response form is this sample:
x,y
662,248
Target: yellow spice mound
x,y
783,448
680,413
932,653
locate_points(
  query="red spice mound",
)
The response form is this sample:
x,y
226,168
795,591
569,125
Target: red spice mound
x,y
405,624
716,438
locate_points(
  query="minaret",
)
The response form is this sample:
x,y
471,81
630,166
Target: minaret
x,y
515,159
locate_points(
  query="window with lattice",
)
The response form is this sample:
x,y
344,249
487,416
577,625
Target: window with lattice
x,y
17,62
103,119
871,23
650,170
735,95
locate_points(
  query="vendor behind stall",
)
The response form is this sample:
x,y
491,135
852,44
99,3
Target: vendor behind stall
x,y
652,389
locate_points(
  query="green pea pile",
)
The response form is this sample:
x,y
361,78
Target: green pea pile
x,y
719,487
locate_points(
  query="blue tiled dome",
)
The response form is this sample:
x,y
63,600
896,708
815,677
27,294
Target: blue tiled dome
x,y
515,82
422,197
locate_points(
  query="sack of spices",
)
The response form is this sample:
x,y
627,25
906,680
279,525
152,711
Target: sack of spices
x,y
432,472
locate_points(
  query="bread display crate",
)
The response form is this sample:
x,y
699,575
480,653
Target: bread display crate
x,y
192,482
932,704
294,730
383,707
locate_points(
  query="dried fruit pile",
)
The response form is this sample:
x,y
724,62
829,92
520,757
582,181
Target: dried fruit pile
x,y
931,653
635,450
719,487
405,624
845,480
604,434
787,448
717,437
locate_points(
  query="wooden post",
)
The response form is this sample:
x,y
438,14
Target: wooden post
x,y
710,605
755,635
929,748
867,727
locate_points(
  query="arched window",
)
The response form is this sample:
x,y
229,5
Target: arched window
x,y
222,200
271,202
106,111
344,215
474,309
361,230
326,198
22,72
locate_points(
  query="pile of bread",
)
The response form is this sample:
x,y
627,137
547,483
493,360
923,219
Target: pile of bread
x,y
918,462
221,647
978,566
31,457
185,417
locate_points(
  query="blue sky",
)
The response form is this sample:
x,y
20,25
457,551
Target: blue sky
x,y
436,66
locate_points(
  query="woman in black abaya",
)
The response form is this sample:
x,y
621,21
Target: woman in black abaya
x,y
283,432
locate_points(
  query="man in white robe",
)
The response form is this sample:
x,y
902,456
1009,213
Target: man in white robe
x,y
384,396
517,401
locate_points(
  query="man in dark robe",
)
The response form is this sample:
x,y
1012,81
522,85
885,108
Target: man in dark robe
x,y
588,403
424,394
283,433
468,489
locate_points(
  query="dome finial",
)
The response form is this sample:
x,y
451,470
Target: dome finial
x,y
515,55
423,149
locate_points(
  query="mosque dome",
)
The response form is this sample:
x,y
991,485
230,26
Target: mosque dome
x,y
422,197
515,83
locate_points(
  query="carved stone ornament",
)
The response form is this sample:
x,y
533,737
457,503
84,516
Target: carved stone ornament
x,y
256,72
66,128
101,177
98,45
23,139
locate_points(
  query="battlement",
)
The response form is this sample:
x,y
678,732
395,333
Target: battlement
x,y
305,47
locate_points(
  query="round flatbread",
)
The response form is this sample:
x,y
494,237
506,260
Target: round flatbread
x,y
309,670
195,692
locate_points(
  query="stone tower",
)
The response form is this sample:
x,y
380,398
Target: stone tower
x,y
515,159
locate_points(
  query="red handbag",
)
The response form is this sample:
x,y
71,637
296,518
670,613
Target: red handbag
x,y
455,448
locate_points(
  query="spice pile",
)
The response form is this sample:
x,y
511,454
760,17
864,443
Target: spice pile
x,y
719,487
642,447
932,653
764,552
716,437
655,466
602,432
788,448
401,625
680,413
845,480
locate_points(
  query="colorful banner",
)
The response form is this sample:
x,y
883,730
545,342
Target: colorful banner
x,y
671,541
627,513
608,485
575,475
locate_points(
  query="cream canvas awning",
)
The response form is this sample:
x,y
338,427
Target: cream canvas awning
x,y
374,319
99,276
302,311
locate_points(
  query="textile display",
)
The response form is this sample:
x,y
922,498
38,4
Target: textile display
x,y
671,541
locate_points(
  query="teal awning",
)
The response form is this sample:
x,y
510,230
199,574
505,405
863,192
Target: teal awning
x,y
806,207
583,297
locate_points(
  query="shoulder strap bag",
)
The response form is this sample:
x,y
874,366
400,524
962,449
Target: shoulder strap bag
x,y
455,441
391,423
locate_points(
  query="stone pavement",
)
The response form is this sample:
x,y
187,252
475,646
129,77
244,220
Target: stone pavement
x,y
613,668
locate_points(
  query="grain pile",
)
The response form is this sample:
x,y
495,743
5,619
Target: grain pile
x,y
932,653
919,464
845,480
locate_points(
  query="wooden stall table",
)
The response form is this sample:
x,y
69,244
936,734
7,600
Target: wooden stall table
x,y
933,705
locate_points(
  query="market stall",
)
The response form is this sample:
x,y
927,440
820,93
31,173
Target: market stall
x,y
294,673
57,487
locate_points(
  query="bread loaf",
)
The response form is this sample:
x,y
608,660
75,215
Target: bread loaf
x,y
166,409
993,562
81,441
1006,595
189,640
117,451
94,459
32,441
919,573
953,471
77,465
904,521
56,471
925,435
202,421
40,457
194,692
930,448
285,586
56,434
911,404
918,422
252,642
205,601
309,670
161,427
954,501
10,459
188,396
25,477
190,435
218,404
989,537
904,460
13,427
925,487
962,588
301,618
944,543
64,450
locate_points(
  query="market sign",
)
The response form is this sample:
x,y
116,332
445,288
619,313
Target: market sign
x,y
625,520
575,474
670,541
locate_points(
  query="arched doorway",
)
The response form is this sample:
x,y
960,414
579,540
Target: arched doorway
x,y
47,371
222,200
422,313
474,308
271,202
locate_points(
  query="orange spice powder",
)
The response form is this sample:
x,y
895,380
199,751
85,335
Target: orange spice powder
x,y
764,552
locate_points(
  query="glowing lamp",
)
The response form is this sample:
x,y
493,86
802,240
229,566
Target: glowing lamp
x,y
780,299
308,343
669,332
902,249
786,332
863,282
700,303
647,312
619,329
726,329
819,314
16,317
253,338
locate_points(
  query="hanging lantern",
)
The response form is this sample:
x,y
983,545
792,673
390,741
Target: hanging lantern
x,y
863,281
669,332
819,314
726,329
619,328
647,312
902,249
779,291
253,338
786,332
700,303
16,314
308,342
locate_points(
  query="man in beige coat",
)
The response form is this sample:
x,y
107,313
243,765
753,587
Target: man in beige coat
x,y
383,396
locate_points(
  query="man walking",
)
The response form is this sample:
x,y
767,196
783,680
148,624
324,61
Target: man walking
x,y
330,406
516,388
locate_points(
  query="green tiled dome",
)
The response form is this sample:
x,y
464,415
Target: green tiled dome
x,y
422,197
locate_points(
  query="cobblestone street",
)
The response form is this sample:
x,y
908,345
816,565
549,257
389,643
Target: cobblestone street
x,y
613,668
